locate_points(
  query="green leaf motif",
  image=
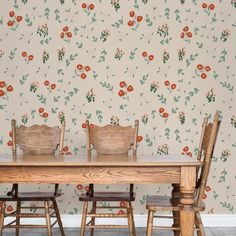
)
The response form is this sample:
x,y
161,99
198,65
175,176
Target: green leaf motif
x,y
132,54
70,94
144,79
148,141
228,206
102,56
148,20
177,136
118,23
191,59
28,21
107,86
161,98
167,133
71,58
46,13
42,98
228,86
24,79
99,115
191,94
12,54
57,15
223,56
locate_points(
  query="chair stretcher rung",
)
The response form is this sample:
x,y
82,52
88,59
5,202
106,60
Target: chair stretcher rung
x,y
110,207
165,217
25,215
38,207
106,226
165,228
169,228
108,215
26,226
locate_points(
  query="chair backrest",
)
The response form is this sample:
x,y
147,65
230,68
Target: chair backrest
x,y
209,140
37,139
112,139
201,143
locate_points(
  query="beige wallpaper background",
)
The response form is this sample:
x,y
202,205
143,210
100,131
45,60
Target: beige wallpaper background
x,y
70,59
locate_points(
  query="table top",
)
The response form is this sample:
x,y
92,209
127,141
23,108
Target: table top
x,y
97,160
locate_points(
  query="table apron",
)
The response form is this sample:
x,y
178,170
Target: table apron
x,y
88,174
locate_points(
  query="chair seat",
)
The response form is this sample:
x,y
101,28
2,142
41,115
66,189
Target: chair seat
x,y
167,203
30,196
108,196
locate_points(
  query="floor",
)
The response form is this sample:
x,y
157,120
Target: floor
x,y
121,232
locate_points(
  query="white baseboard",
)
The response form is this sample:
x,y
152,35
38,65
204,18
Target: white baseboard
x,y
209,220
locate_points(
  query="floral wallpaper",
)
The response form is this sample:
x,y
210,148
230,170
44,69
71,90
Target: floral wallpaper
x,y
167,63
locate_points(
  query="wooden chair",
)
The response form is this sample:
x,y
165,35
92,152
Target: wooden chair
x,y
113,140
166,203
38,140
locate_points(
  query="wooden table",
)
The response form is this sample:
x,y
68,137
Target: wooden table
x,y
108,169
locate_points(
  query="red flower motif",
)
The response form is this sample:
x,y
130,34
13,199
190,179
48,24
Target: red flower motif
x,y
165,115
185,29
91,6
173,86
151,57
121,93
84,5
1,93
132,14
79,67
53,86
41,110
83,76
199,66
11,13
10,23
9,88
207,68
45,114
166,83
2,84
87,68
66,28
139,18
122,84
212,6
139,138
130,88
203,75
19,18
204,5
46,82
130,23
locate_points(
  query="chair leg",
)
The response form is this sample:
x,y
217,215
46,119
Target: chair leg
x,y
84,216
58,216
18,211
132,218
176,219
2,214
199,225
149,223
48,220
130,222
93,218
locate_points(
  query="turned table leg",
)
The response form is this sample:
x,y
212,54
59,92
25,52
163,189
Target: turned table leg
x,y
176,214
187,187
